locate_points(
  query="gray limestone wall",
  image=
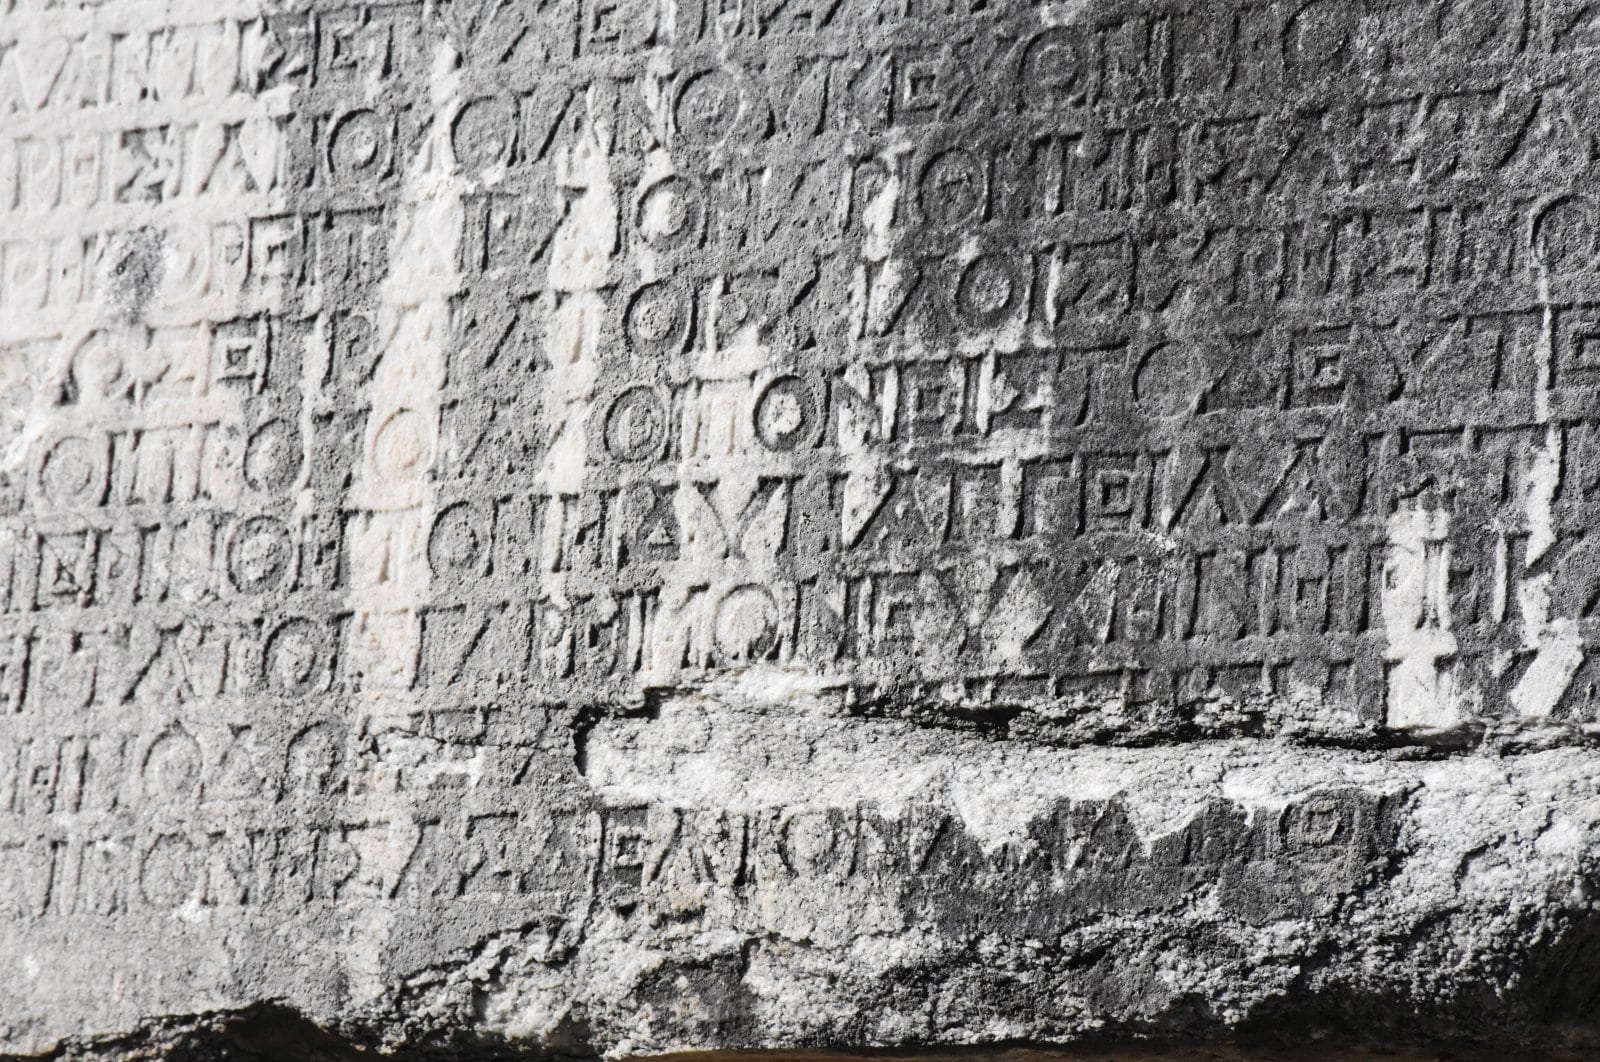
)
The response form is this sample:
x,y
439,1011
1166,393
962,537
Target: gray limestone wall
x,y
592,528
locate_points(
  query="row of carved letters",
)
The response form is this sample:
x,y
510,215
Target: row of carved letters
x,y
1050,285
1224,606
1219,47
628,849
925,440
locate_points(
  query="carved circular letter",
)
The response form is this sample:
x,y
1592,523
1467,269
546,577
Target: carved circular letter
x,y
989,289
787,414
98,370
168,871
747,624
483,133
952,188
708,107
1055,72
455,545
671,212
359,145
1564,235
636,426
1317,39
171,767
272,457
403,444
658,319
259,554
73,472
293,657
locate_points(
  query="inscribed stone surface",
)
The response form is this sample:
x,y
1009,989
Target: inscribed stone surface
x,y
619,525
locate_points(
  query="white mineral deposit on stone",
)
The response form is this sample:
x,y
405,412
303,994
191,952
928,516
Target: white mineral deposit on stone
x,y
876,271
394,486
821,763
580,266
1555,641
1416,612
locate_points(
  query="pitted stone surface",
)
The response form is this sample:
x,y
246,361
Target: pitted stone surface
x,y
614,526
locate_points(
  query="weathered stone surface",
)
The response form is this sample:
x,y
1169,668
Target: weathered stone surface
x,y
608,526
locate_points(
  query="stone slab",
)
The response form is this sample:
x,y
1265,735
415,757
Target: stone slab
x,y
601,527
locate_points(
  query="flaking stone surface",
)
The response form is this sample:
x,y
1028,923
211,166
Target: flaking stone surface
x,y
616,526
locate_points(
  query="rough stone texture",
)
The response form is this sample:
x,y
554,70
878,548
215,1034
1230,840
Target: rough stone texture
x,y
610,526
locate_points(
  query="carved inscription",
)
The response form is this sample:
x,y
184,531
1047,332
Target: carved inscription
x,y
1158,371
387,391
